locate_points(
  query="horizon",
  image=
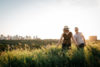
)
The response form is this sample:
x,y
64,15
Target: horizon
x,y
36,37
47,18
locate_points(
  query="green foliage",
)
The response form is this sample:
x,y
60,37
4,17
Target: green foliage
x,y
14,44
52,56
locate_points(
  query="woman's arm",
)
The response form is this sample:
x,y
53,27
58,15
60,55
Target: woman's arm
x,y
61,38
74,40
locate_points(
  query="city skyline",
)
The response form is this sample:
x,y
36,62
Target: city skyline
x,y
47,18
17,37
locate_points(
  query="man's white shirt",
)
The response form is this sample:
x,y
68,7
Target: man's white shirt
x,y
78,37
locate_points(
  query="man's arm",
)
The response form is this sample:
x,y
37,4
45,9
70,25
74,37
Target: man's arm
x,y
83,38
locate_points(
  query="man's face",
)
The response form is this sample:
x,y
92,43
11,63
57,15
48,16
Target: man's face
x,y
76,29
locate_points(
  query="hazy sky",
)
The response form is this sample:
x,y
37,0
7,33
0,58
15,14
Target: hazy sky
x,y
46,18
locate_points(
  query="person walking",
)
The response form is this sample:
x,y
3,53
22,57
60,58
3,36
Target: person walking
x,y
66,38
79,37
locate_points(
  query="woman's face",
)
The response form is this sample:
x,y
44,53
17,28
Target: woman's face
x,y
66,30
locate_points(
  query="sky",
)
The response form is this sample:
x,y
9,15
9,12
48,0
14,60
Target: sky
x,y
46,18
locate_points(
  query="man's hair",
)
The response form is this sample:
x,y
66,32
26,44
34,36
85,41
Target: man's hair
x,y
76,27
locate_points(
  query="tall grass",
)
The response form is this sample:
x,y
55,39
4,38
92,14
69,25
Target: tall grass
x,y
51,56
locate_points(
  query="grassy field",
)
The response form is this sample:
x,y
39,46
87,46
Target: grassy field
x,y
14,44
52,56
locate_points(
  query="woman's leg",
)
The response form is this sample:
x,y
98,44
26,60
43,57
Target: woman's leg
x,y
65,47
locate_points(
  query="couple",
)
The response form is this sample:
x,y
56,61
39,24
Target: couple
x,y
67,36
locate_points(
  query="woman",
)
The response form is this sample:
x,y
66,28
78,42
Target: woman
x,y
66,38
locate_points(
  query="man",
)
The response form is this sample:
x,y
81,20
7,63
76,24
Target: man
x,y
79,37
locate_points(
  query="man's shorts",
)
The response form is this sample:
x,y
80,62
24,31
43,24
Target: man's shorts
x,y
81,45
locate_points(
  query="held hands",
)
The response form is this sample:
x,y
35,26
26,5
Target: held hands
x,y
76,43
85,43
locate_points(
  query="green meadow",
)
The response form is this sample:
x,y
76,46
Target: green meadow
x,y
52,56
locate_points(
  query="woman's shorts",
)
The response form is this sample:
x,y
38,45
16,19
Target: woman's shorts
x,y
66,46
